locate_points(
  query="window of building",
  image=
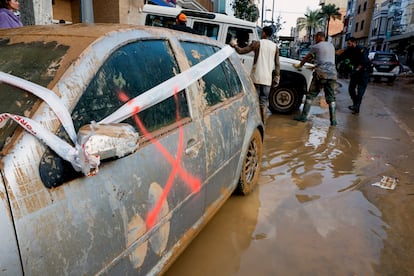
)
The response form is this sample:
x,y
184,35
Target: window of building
x,y
356,27
359,9
362,24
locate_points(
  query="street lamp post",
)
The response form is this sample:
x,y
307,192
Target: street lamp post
x,y
262,12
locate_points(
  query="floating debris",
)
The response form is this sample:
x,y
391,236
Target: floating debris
x,y
387,182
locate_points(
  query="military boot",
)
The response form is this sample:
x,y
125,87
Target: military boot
x,y
332,113
303,117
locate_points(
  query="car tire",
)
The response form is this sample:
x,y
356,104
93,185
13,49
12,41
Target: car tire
x,y
251,166
284,100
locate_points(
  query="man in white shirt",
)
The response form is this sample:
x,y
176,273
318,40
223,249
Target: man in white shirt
x,y
266,59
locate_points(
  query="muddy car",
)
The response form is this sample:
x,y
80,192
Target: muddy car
x,y
385,65
118,144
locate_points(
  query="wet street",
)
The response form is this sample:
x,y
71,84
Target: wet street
x,y
316,211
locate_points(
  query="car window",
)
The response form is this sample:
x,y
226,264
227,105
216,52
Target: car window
x,y
207,29
385,57
159,20
130,71
219,84
244,36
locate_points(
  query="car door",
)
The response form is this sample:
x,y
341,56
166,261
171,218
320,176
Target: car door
x,y
224,119
136,208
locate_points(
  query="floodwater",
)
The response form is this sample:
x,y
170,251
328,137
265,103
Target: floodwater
x,y
316,211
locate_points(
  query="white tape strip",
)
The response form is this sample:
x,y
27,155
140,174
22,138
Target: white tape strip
x,y
75,155
48,96
166,89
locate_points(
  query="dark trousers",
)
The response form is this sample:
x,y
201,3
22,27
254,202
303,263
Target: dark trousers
x,y
328,87
357,85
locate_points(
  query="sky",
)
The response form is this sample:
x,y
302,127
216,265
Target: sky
x,y
289,10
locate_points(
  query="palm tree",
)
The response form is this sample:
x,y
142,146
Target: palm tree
x,y
311,21
330,11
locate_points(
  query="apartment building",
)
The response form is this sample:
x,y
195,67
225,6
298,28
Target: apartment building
x,y
392,29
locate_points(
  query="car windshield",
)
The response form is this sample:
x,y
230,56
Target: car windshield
x,y
37,62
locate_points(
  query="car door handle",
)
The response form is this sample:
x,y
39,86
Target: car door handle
x,y
243,112
193,147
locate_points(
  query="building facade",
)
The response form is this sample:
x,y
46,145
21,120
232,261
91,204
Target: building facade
x,y
393,29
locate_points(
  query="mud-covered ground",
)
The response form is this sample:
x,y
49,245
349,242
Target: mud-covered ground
x,y
316,211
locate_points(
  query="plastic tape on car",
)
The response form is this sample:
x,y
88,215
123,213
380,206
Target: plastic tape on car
x,y
77,156
46,95
167,89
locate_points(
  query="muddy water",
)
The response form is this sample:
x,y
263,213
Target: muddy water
x,y
315,211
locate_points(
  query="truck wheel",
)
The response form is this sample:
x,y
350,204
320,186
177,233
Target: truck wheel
x,y
284,100
252,163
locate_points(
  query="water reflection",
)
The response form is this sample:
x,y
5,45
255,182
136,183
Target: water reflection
x,y
316,156
323,224
218,249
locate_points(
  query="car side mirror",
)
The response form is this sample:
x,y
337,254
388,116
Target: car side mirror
x,y
109,141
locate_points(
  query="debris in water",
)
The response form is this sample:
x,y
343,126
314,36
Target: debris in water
x,y
387,182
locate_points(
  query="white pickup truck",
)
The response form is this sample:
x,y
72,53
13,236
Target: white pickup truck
x,y
286,98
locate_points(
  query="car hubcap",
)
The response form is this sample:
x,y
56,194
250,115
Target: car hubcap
x,y
251,161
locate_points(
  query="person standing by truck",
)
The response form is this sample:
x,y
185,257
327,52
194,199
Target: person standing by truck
x,y
181,24
266,66
325,76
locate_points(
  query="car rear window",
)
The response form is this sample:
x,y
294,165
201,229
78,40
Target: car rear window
x,y
385,57
37,62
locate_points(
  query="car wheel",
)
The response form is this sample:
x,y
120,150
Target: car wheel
x,y
284,100
252,164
